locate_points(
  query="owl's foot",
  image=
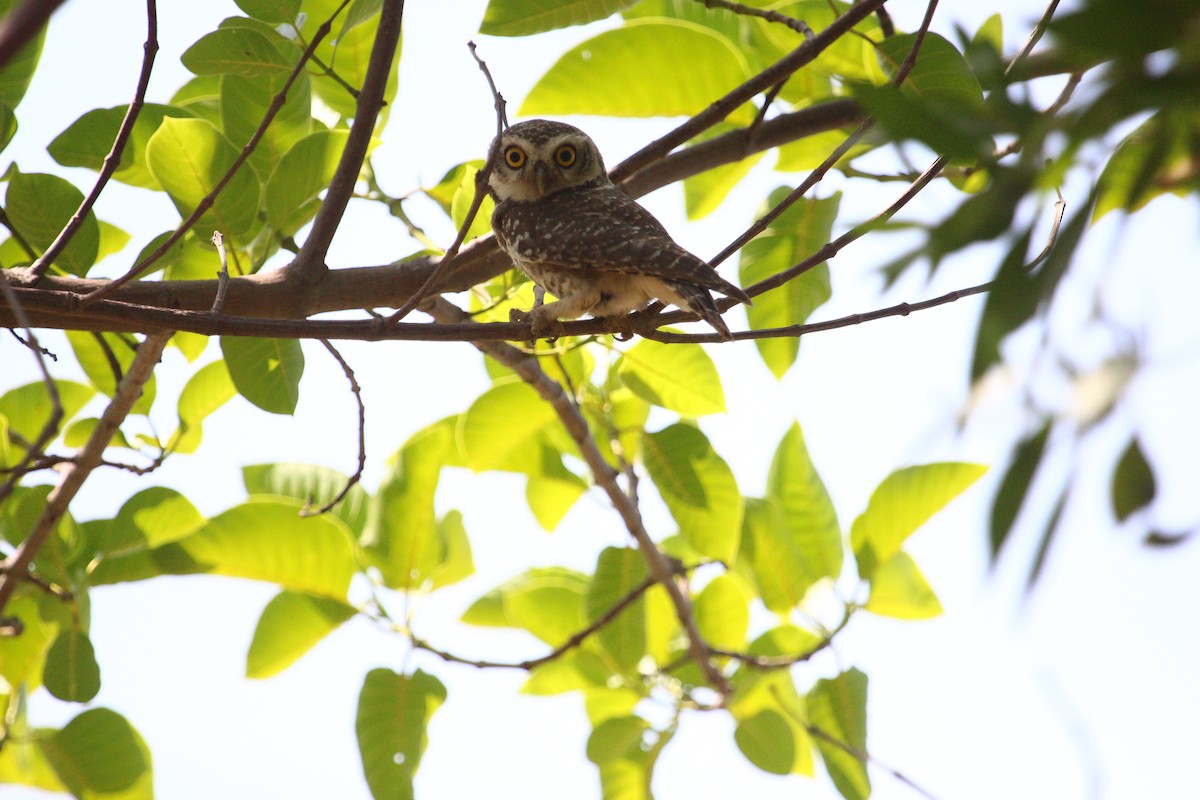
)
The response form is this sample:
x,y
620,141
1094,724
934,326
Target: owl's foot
x,y
540,325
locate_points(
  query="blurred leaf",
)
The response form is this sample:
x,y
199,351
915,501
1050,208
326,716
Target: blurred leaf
x,y
290,625
616,738
22,658
151,518
548,602
39,206
206,391
698,488
503,420
766,739
1133,485
457,563
704,192
27,408
1012,300
18,69
1157,158
679,377
94,351
393,716
71,672
633,71
235,51
112,240
1015,487
79,431
87,140
838,708
265,371
903,502
551,496
1043,550
272,11
811,520
311,484
267,540
898,589
619,571
525,17
188,157
98,752
360,11
798,233
723,613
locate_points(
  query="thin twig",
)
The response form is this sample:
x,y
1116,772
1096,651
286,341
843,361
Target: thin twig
x,y
481,191
658,565
16,566
218,240
1034,36
356,390
207,202
50,428
788,659
113,159
798,25
578,638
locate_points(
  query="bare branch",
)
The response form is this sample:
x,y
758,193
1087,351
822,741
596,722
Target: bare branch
x,y
362,435
310,261
113,159
16,566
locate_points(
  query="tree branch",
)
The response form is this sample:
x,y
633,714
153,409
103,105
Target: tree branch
x,y
16,566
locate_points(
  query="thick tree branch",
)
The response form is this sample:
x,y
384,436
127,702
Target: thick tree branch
x,y
310,261
16,566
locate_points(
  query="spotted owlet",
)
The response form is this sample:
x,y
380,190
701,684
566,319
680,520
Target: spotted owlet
x,y
583,240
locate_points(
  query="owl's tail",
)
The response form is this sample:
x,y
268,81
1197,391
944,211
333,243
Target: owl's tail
x,y
698,301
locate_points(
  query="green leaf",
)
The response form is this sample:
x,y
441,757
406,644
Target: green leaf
x,y
634,72
347,58
151,518
265,371
290,625
619,571
703,193
798,233
267,540
698,488
1014,487
79,431
460,204
18,69
98,752
1011,302
546,601
245,101
851,57
808,513
235,51
8,125
501,422
205,392
22,658
310,484
679,377
902,503
39,206
525,17
402,533
457,563
898,589
838,707
272,11
302,173
188,158
1133,485
112,240
94,351
393,714
723,613
766,739
71,672
87,141
360,11
550,497
27,408
616,738
1150,162
780,570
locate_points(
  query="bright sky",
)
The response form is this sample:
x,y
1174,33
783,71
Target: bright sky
x,y
1084,689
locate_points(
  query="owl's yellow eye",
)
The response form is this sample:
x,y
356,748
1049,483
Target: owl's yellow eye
x,y
565,156
514,156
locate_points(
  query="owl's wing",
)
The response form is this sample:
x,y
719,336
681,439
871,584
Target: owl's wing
x,y
605,229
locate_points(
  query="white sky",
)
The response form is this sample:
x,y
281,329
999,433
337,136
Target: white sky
x,y
1084,689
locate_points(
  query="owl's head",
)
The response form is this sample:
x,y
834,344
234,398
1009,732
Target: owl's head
x,y
539,157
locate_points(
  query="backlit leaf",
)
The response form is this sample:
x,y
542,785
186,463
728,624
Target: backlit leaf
x,y
525,17
898,589
618,572
39,206
98,752
290,625
393,714
265,371
838,707
679,377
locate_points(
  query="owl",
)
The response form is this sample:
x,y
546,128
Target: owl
x,y
583,240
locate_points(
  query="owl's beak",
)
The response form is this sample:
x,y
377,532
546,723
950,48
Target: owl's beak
x,y
543,177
